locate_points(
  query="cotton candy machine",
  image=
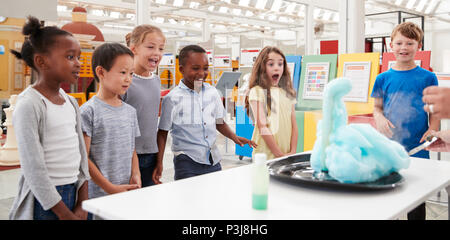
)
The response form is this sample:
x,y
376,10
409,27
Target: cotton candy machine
x,y
297,169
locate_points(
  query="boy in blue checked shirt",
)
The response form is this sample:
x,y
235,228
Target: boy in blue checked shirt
x,y
193,111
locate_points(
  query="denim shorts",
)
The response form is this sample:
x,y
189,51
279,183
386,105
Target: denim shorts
x,y
147,164
186,167
68,194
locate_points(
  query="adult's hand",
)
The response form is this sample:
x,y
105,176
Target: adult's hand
x,y
437,101
442,144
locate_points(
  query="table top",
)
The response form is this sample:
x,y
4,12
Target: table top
x,y
227,195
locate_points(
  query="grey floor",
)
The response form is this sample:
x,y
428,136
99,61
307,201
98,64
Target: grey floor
x,y
436,210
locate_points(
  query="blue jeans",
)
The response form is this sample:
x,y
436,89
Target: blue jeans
x,y
68,194
147,164
185,167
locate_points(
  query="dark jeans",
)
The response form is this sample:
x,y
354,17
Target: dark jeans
x,y
185,167
68,194
418,213
147,164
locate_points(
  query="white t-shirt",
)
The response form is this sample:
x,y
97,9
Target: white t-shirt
x,y
61,145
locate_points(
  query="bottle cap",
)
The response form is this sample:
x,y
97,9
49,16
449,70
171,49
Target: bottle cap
x,y
260,158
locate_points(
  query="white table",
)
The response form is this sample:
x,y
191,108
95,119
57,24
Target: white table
x,y
227,195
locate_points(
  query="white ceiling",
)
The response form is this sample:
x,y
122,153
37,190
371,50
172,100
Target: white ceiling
x,y
184,19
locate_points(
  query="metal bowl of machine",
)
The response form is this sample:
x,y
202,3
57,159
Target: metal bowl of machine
x,y
297,169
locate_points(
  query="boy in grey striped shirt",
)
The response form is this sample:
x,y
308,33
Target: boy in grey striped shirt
x,y
110,125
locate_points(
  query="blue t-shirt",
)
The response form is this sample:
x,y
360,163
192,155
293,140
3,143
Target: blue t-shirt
x,y
401,92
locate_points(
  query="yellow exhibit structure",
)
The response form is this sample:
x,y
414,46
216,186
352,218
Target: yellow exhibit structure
x,y
309,129
80,97
86,65
354,108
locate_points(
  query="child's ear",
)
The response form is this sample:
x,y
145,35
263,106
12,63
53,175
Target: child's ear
x,y
181,68
420,46
100,71
133,48
40,62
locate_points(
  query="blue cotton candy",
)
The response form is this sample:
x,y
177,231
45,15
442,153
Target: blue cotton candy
x,y
352,153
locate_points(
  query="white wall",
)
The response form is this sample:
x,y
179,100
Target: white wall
x,y
437,39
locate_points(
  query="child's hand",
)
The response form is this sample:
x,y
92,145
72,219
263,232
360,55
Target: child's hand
x,y
384,125
157,174
71,217
242,141
291,152
122,188
136,179
79,212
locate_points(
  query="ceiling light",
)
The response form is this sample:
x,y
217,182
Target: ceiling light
x,y
223,9
290,8
118,26
261,4
159,20
316,13
130,16
410,4
431,6
114,14
336,17
276,5
97,12
301,11
248,13
178,3
61,8
161,1
237,11
398,2
244,3
284,35
421,5
283,19
194,5
327,15
211,8
221,27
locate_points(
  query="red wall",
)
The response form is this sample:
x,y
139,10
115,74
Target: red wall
x,y
329,47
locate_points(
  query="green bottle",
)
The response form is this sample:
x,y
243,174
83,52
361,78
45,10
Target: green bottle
x,y
260,182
